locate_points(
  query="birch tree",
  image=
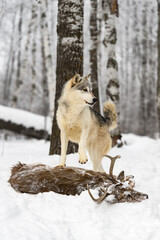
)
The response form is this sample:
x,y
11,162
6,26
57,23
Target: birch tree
x,y
69,56
152,74
44,72
93,51
110,8
34,59
143,89
18,76
23,85
46,39
10,66
158,81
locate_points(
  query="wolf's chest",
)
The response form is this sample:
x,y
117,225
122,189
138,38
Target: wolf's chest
x,y
74,133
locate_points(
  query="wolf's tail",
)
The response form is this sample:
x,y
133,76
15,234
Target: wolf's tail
x,y
110,115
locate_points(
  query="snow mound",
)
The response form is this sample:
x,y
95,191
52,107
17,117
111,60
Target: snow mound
x,y
25,118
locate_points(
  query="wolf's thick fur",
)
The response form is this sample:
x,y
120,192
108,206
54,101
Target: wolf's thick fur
x,y
80,124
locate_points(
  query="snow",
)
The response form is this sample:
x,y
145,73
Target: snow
x,y
25,118
53,216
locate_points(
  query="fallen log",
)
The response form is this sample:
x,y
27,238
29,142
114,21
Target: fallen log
x,y
38,178
26,131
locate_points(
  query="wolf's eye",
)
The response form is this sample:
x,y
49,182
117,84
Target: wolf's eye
x,y
85,90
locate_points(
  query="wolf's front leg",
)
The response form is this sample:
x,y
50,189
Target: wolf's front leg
x,y
82,147
64,144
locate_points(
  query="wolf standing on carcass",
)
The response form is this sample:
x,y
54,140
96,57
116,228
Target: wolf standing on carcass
x,y
79,123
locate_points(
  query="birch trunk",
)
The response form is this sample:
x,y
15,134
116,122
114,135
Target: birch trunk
x,y
135,64
18,78
10,67
44,78
127,59
34,77
47,53
152,120
112,91
93,51
18,99
143,90
69,57
158,81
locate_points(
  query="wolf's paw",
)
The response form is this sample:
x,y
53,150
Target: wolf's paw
x,y
62,165
83,160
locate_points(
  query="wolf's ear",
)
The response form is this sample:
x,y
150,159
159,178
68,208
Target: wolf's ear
x,y
88,77
75,79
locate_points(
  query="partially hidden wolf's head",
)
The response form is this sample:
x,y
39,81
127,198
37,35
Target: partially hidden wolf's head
x,y
81,90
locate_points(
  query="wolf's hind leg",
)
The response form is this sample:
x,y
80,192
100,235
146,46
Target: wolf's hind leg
x,y
100,168
64,144
97,165
96,159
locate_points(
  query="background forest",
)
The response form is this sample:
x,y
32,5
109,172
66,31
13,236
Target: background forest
x,y
43,43
119,48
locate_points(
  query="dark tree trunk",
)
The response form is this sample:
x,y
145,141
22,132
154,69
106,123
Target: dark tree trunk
x,y
93,52
69,57
158,81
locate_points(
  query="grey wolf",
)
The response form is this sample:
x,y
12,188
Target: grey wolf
x,y
79,123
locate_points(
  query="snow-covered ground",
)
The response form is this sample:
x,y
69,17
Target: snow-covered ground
x,y
50,216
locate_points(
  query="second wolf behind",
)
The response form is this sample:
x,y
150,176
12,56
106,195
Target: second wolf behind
x,y
79,123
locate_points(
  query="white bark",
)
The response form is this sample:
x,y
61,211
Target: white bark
x,y
111,77
47,52
137,60
23,87
34,77
158,80
9,66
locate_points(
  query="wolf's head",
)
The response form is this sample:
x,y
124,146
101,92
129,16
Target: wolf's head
x,y
82,90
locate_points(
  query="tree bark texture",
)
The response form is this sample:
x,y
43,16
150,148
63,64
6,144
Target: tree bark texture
x,y
17,59
93,52
44,78
10,66
158,80
47,53
69,57
112,91
33,53
143,89
22,84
